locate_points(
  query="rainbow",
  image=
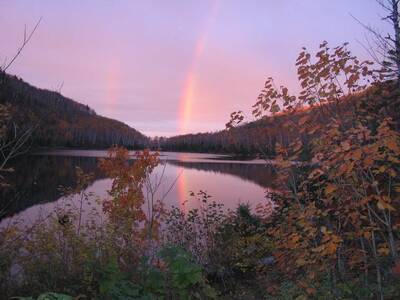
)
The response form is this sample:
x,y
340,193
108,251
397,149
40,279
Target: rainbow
x,y
188,90
112,83
183,193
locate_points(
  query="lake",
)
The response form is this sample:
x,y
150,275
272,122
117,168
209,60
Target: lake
x,y
35,183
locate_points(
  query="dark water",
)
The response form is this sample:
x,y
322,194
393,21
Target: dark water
x,y
36,180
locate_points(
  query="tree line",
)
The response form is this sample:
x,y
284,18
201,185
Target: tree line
x,y
62,122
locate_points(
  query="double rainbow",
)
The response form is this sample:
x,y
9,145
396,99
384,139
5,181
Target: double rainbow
x,y
188,91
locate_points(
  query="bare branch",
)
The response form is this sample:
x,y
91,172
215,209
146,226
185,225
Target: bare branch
x,y
386,51
25,41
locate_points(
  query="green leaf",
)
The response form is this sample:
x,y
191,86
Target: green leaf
x,y
54,296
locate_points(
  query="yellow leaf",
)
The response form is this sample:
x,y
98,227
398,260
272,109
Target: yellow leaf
x,y
382,169
284,164
392,173
330,189
300,262
383,205
384,251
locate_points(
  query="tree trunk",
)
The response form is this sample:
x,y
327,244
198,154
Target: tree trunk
x,y
395,20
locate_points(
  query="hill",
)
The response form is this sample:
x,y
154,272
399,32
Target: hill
x,y
246,140
261,136
63,122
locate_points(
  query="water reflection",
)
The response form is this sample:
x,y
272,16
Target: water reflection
x,y
36,181
262,175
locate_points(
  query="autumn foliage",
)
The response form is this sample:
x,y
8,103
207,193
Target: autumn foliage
x,y
336,228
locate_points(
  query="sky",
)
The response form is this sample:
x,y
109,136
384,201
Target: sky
x,y
169,67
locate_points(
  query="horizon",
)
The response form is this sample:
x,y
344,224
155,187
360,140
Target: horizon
x,y
196,61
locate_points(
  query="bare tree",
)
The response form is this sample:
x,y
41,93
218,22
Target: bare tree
x,y
385,48
12,141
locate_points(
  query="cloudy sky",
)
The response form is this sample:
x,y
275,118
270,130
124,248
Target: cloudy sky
x,y
168,67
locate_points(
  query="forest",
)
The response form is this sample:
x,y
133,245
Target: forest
x,y
56,121
257,138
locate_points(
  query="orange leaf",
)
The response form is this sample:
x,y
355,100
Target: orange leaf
x,y
330,189
357,154
392,145
383,205
311,291
345,145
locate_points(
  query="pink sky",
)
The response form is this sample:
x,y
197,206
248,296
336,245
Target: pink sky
x,y
169,67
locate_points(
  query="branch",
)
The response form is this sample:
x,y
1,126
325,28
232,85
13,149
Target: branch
x,y
384,6
25,41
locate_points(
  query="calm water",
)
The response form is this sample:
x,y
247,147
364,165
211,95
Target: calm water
x,y
37,178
